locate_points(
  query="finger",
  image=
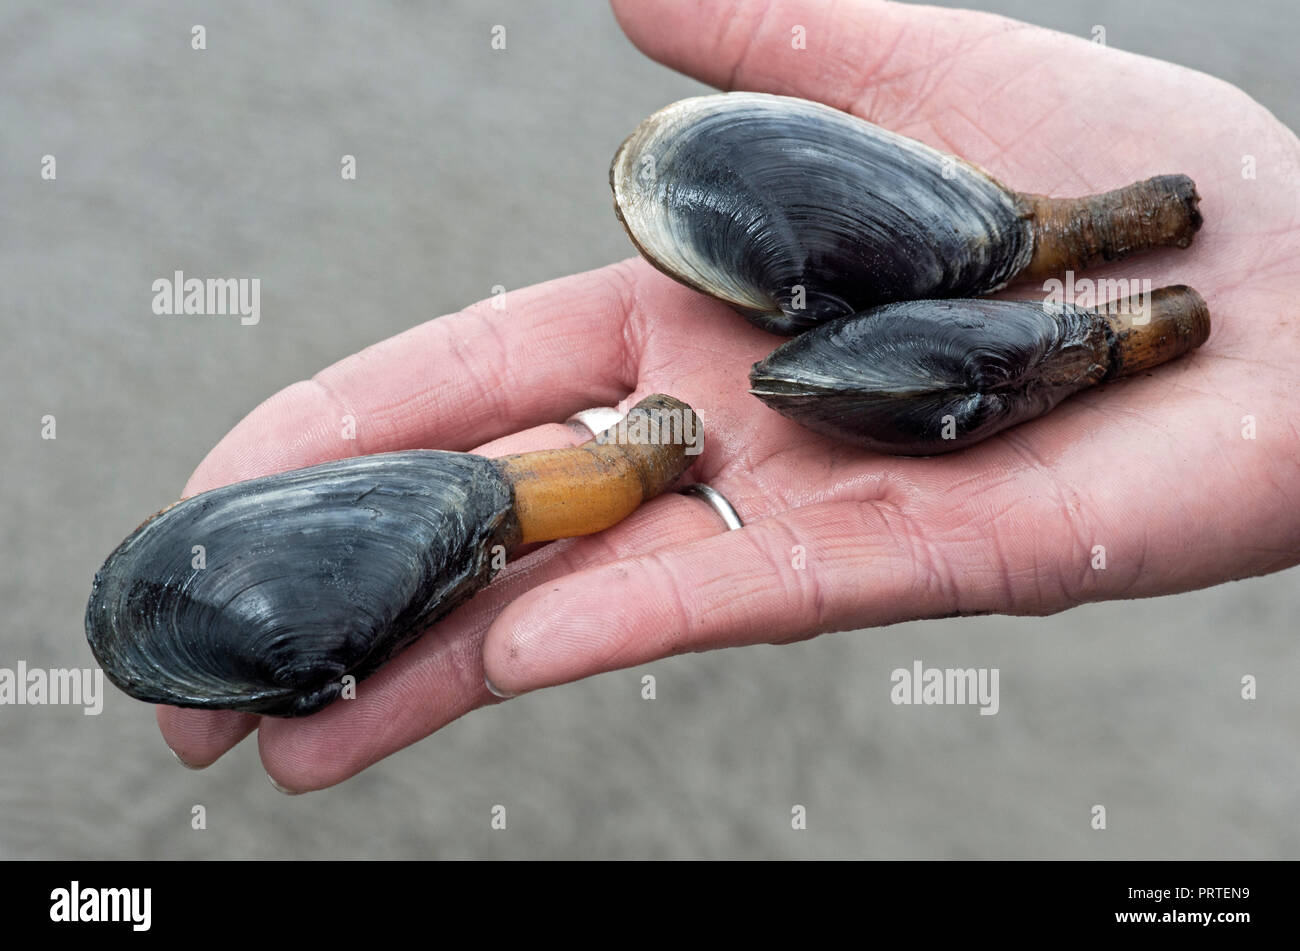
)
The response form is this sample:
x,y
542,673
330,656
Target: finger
x,y
822,568
441,677
449,383
198,738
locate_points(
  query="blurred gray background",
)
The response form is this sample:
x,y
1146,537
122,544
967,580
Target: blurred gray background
x,y
480,168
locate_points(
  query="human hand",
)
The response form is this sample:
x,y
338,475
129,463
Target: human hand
x,y
1155,468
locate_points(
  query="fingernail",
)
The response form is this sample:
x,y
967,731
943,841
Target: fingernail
x,y
497,691
180,759
282,789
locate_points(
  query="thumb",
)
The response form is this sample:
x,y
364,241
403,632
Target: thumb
x,y
873,58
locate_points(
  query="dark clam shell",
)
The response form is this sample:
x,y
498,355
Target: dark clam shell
x,y
310,575
796,213
927,377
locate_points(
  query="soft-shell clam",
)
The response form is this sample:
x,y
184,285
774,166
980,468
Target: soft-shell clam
x,y
925,377
795,213
263,595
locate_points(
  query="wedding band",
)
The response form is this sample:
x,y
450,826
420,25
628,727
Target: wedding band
x,y
718,502
596,420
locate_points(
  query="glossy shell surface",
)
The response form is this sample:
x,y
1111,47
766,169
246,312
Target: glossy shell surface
x,y
304,577
927,377
796,213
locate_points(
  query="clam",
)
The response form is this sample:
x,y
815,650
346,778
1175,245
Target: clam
x,y
926,377
264,595
795,213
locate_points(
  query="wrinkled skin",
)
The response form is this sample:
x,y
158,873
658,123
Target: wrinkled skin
x,y
1154,468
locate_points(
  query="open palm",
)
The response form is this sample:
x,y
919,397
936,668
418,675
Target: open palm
x,y
1141,487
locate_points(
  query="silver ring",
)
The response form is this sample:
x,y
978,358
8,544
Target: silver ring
x,y
595,420
718,502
